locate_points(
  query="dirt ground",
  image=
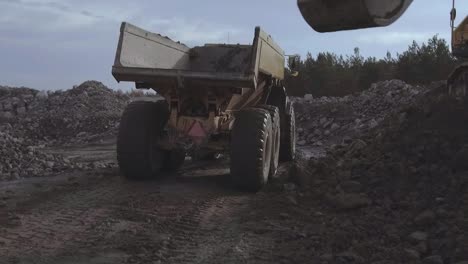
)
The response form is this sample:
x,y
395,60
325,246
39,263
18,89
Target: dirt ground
x,y
380,178
98,217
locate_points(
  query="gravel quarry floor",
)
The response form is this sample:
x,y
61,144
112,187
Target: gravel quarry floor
x,y
380,177
98,217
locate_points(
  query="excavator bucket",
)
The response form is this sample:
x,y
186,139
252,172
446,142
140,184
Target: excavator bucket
x,y
337,15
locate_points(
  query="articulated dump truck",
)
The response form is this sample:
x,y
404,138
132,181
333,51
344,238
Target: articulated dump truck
x,y
217,98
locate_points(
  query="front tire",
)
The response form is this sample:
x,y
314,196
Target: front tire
x,y
251,147
140,130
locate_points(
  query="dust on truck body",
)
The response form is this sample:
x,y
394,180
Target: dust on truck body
x,y
218,97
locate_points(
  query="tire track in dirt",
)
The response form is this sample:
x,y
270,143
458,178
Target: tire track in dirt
x,y
57,223
220,230
191,240
188,210
167,221
181,219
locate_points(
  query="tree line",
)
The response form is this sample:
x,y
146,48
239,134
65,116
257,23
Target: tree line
x,y
329,74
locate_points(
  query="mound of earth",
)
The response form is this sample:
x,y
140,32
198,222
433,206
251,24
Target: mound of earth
x,y
87,110
31,120
398,181
19,159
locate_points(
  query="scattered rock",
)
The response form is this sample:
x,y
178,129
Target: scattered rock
x,y
405,147
292,200
6,115
21,110
411,254
351,186
422,248
358,145
308,97
31,119
91,108
285,215
50,164
327,257
425,218
81,134
7,106
349,257
349,201
323,120
433,260
289,187
460,158
418,236
41,95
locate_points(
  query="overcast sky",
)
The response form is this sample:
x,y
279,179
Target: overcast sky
x,y
55,44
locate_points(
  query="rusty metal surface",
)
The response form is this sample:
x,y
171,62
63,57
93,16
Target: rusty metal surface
x,y
336,15
222,58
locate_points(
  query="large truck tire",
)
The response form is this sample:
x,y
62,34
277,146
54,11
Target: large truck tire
x,y
288,134
251,146
276,137
141,127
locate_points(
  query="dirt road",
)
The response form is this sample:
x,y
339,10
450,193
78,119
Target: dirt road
x,y
98,217
194,216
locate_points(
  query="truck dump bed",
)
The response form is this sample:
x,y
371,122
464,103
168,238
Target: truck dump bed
x,y
149,60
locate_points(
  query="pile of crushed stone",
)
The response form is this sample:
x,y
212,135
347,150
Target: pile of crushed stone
x,y
83,112
19,159
32,120
330,120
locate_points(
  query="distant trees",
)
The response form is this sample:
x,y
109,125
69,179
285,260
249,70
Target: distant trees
x,y
334,75
425,63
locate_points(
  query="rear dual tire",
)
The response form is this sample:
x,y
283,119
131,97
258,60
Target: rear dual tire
x,y
141,129
251,148
288,134
276,137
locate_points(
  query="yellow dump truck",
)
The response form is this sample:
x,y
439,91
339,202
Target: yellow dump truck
x,y
217,98
458,79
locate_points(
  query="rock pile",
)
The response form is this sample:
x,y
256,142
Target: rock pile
x,y
15,101
400,176
84,112
330,120
19,159
31,120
